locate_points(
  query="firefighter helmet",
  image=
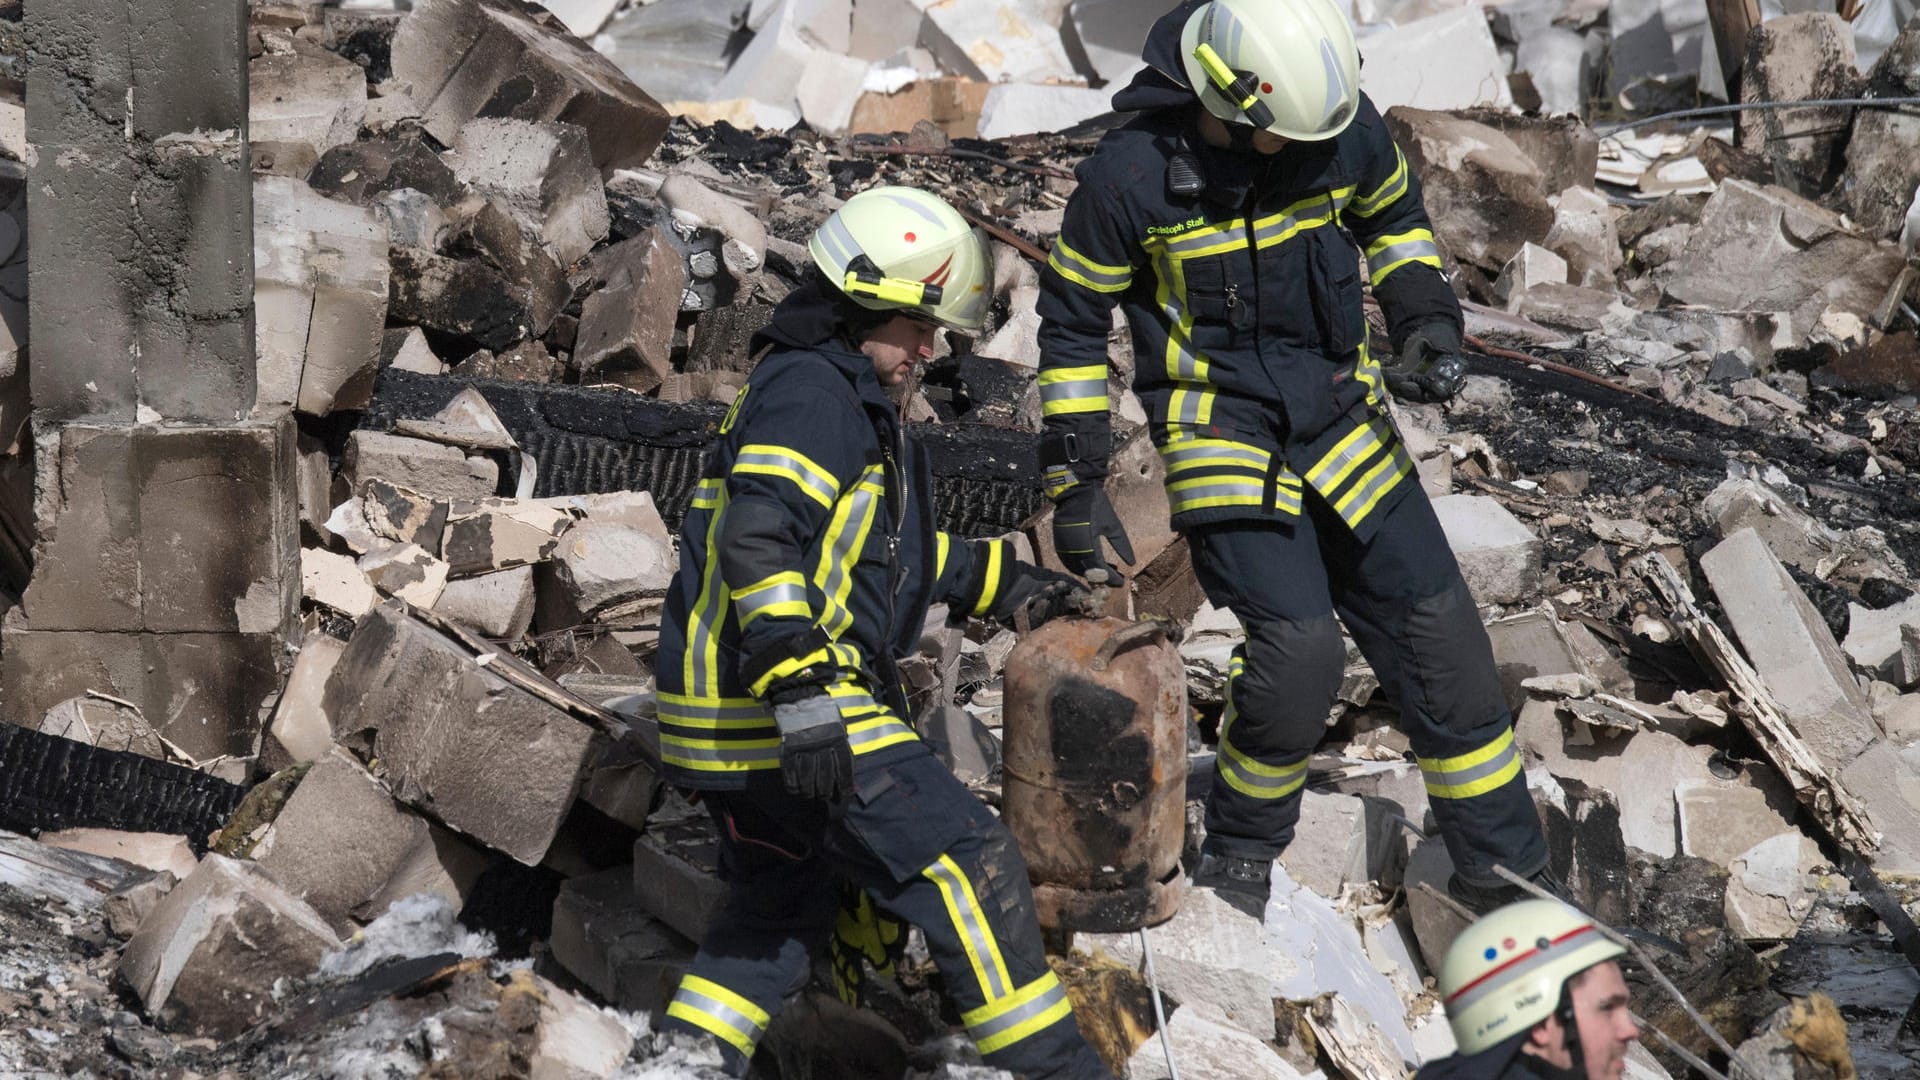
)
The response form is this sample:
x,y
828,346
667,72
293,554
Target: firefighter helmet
x,y
1288,66
900,248
1504,973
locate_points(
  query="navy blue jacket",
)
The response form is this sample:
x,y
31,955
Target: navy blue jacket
x,y
808,561
1251,353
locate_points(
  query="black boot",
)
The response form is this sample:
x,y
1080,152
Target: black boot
x,y
1481,899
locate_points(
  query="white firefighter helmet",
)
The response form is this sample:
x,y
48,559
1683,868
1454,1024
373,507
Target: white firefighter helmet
x,y
901,248
1503,974
1288,66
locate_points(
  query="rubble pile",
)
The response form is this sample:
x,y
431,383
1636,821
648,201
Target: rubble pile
x,y
503,296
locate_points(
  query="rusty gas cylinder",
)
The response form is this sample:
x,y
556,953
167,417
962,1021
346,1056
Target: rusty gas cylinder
x,y
1095,739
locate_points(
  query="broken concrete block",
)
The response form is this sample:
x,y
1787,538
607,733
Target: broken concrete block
x,y
628,323
1536,643
1800,57
336,581
321,280
695,206
363,170
402,516
169,529
1214,953
1532,265
1435,923
605,569
1342,840
413,219
1793,535
1029,108
98,721
201,691
155,851
430,468
342,845
1002,43
497,534
1881,173
1874,640
1499,557
1791,647
1584,233
1561,65
466,421
1658,38
1400,70
1574,308
1765,249
1205,1045
467,58
676,876
300,723
1888,785
302,103
631,960
582,18
1718,821
497,605
1482,191
406,571
208,956
462,298
574,1038
544,172
1769,890
457,741
127,906
407,350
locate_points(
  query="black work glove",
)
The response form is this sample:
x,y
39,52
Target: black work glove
x,y
815,758
1054,595
1081,519
1429,369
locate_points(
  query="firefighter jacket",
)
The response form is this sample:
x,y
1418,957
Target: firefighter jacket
x,y
808,560
1239,275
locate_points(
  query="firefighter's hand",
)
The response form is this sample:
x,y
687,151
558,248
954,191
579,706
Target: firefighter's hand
x,y
1429,369
1081,519
815,758
1057,595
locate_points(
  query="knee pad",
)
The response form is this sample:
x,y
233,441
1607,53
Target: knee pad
x,y
1286,687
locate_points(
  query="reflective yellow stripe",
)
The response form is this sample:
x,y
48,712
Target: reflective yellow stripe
x,y
970,922
1255,780
941,543
1357,503
1085,272
700,667
1073,390
1057,479
1346,455
706,496
787,668
1394,187
1474,773
990,581
1389,253
1000,1023
840,547
714,1008
1367,371
783,593
789,464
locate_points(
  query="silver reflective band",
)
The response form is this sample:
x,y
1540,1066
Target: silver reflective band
x,y
753,603
803,471
1013,1018
979,938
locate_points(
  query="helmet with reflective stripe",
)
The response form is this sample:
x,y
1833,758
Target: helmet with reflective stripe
x,y
901,248
1288,66
1504,973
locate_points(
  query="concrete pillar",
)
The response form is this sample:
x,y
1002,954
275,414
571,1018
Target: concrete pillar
x,y
166,569
140,214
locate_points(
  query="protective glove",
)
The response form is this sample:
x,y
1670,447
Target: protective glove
x,y
1081,519
1429,369
863,936
1055,595
815,758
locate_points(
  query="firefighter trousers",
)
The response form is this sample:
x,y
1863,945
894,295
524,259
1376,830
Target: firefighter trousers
x,y
1400,595
928,853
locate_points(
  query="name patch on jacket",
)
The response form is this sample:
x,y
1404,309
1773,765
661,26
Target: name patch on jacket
x,y
1177,227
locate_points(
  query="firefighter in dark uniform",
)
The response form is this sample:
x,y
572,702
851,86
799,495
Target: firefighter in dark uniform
x,y
1227,219
809,559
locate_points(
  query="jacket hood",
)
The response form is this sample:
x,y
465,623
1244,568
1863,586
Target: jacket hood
x,y
809,320
1162,84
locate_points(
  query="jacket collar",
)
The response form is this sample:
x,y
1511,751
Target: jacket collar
x,y
807,321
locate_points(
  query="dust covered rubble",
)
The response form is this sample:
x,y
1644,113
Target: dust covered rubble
x,y
1757,435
